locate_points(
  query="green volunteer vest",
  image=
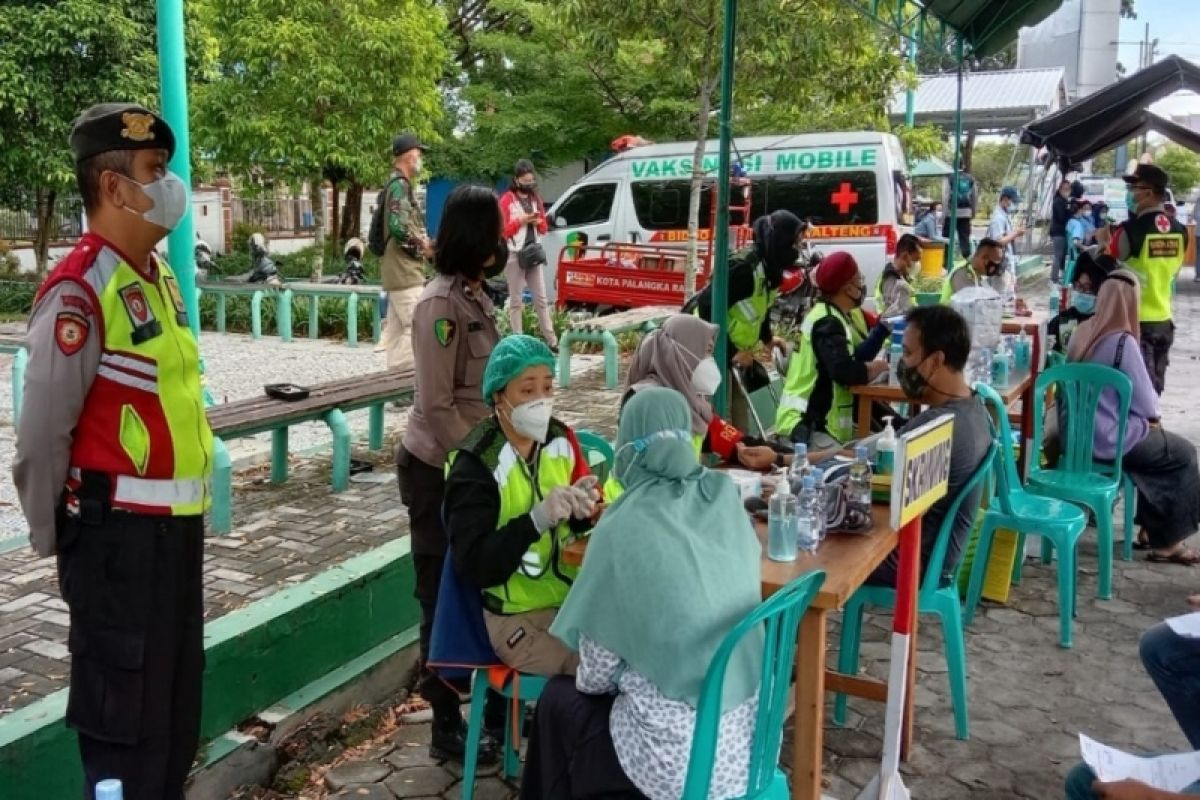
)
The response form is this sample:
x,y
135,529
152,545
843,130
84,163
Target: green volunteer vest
x,y
1156,265
746,317
542,580
947,290
879,302
802,379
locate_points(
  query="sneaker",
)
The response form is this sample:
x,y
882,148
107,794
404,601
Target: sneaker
x,y
449,743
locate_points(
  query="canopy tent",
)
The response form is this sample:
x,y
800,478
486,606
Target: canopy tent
x,y
932,167
1116,114
1001,100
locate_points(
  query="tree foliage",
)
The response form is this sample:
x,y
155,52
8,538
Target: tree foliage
x,y
990,167
303,87
1184,168
55,60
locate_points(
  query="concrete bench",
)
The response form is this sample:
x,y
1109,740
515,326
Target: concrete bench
x,y
604,331
327,402
284,295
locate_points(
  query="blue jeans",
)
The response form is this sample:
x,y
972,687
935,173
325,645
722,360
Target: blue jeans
x,y
1079,784
1173,663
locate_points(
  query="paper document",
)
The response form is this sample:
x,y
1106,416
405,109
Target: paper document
x,y
1186,625
1170,773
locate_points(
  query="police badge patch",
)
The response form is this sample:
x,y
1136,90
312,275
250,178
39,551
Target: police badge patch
x,y
70,332
444,330
141,316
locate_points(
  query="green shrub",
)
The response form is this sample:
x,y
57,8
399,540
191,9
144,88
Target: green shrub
x,y
10,265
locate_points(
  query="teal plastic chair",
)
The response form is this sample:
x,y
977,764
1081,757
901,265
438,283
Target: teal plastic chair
x,y
780,617
933,598
525,689
597,451
1013,508
1079,477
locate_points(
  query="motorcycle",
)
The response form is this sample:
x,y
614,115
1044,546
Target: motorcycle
x,y
205,265
353,274
262,268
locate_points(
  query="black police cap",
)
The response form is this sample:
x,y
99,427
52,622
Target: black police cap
x,y
405,142
119,126
1150,175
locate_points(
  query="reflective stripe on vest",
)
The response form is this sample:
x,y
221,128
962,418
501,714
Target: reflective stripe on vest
x,y
542,580
1160,259
802,380
143,421
746,317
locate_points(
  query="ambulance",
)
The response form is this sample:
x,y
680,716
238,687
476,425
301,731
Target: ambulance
x,y
852,187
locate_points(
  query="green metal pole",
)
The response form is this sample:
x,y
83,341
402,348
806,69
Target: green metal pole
x,y
172,77
957,160
910,103
720,274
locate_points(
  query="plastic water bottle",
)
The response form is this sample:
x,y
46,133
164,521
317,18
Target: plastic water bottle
x,y
1055,298
1023,352
808,512
818,475
800,468
885,449
781,524
984,367
110,789
858,486
895,354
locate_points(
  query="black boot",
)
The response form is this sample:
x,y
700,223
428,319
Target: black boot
x,y
449,739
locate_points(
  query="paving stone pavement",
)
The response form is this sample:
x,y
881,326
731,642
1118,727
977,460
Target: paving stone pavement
x,y
1028,698
281,534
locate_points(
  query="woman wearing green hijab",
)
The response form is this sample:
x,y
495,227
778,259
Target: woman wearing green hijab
x,y
671,568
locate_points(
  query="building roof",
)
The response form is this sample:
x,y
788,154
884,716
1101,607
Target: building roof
x,y
996,100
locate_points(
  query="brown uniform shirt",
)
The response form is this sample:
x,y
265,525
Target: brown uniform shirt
x,y
454,331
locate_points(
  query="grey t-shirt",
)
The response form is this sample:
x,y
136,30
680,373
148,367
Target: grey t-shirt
x,y
972,437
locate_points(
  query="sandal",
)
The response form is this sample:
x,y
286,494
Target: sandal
x,y
1184,556
1142,542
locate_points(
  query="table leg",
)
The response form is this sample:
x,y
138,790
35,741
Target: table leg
x,y
906,734
864,416
1027,410
809,718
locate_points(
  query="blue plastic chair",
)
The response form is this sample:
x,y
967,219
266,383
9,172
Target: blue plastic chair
x,y
1013,508
780,616
933,598
459,647
1079,477
594,445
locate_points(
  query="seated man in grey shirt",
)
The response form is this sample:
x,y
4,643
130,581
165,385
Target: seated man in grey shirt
x,y
937,343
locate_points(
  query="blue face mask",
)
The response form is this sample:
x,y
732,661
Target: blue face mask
x,y
1083,303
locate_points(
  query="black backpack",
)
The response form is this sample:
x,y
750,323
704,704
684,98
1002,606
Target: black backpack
x,y
377,237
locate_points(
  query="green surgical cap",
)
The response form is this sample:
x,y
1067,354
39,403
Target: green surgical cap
x,y
515,354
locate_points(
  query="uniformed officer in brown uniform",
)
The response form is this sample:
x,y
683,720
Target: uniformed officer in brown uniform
x,y
114,455
454,331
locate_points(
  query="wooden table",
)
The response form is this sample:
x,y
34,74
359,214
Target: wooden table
x,y
847,561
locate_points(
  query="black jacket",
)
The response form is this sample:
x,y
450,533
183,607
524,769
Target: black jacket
x,y
485,554
835,365
1060,215
742,266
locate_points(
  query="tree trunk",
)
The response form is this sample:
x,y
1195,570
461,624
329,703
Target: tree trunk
x,y
317,198
968,151
333,221
46,199
352,212
693,240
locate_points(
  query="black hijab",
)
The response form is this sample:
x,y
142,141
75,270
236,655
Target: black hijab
x,y
775,243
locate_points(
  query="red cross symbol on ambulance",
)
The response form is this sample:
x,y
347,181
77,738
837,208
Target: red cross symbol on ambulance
x,y
844,198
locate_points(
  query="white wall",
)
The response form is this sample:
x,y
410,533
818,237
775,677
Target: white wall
x,y
208,218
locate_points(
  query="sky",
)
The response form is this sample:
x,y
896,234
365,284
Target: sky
x,y
1176,24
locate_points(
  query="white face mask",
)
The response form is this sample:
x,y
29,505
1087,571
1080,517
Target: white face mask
x,y
532,419
169,198
706,377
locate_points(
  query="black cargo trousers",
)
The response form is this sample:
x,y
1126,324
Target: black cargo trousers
x,y
133,586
